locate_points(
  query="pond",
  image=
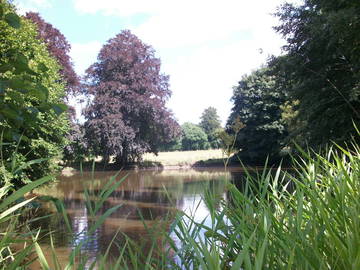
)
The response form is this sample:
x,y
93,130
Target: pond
x,y
146,198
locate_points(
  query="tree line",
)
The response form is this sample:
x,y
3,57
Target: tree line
x,y
307,96
201,136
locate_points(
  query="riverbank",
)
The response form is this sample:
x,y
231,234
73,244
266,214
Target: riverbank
x,y
182,159
177,160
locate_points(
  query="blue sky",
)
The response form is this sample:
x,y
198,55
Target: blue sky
x,y
205,46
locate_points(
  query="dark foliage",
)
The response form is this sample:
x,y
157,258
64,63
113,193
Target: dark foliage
x,y
77,149
127,115
257,102
174,145
323,64
58,47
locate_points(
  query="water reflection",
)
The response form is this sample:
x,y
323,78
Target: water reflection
x,y
147,197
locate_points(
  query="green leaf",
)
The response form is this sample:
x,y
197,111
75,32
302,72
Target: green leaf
x,y
41,256
20,258
5,67
102,218
29,163
11,114
38,94
1,12
18,83
13,20
21,58
15,96
3,85
21,63
42,67
20,193
33,111
14,208
59,108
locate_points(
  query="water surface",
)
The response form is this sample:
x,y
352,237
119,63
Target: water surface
x,y
146,197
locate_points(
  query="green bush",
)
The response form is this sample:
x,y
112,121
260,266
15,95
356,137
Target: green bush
x,y
31,98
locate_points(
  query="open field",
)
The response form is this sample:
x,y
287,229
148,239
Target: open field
x,y
183,158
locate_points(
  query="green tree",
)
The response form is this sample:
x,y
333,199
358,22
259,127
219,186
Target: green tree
x,y
323,65
193,137
257,102
31,95
210,123
174,145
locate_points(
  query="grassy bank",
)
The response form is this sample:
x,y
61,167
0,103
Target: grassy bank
x,y
184,158
306,219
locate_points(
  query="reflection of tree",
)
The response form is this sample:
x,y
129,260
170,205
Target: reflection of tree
x,y
144,200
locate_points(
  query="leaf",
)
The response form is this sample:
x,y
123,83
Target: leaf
x,y
29,163
16,96
33,111
21,63
3,85
102,218
14,208
1,12
42,67
38,94
13,20
11,114
18,83
20,193
20,258
5,67
59,108
41,256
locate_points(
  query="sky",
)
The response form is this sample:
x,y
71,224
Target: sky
x,y
206,46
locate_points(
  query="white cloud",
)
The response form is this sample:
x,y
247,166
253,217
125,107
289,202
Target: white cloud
x,y
32,5
205,45
84,54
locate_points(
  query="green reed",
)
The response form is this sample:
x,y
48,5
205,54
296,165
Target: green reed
x,y
304,218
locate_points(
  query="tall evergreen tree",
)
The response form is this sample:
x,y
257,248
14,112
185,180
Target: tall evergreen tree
x,y
210,123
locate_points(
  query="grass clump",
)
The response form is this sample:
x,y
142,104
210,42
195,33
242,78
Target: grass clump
x,y
307,218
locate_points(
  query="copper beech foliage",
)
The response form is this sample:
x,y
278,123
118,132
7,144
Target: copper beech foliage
x,y
127,115
58,47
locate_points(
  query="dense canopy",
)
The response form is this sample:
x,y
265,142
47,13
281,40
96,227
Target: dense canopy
x,y
127,115
31,95
323,66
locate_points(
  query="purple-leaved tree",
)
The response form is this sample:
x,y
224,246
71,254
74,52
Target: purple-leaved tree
x,y
127,115
58,47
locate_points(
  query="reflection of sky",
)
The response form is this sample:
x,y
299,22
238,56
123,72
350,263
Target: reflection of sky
x,y
89,243
194,206
142,193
